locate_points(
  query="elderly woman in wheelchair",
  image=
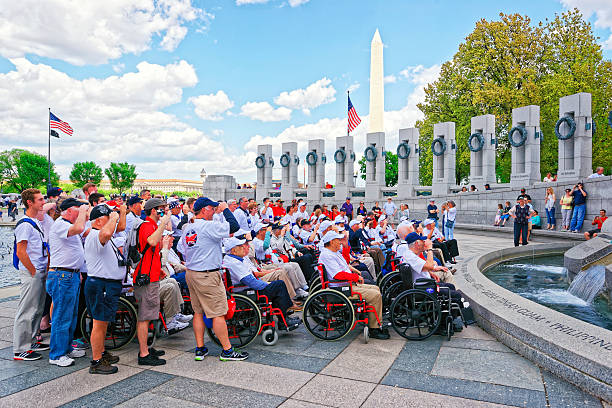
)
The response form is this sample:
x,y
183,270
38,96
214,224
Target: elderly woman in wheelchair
x,y
344,300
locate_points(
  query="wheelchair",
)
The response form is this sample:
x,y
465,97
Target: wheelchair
x,y
253,315
329,313
122,330
419,310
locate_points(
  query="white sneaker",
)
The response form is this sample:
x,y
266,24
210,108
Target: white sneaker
x,y
301,293
183,318
76,353
63,361
174,324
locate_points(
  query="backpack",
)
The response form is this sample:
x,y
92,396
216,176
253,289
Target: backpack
x,y
33,224
133,254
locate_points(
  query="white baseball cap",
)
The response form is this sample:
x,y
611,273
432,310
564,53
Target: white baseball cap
x,y
428,221
354,222
325,225
331,235
259,226
232,242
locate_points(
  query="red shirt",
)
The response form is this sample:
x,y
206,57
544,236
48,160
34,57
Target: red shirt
x,y
599,221
150,264
278,211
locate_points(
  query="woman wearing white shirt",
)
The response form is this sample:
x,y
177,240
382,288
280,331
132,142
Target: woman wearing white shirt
x,y
451,215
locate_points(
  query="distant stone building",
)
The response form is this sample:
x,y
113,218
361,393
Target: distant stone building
x,y
165,185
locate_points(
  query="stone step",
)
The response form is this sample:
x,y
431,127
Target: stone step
x,y
508,229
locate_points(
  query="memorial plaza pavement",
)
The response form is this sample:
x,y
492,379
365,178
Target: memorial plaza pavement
x,y
470,370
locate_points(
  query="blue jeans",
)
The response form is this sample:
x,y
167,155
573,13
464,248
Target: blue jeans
x,y
550,216
63,286
578,217
520,233
450,232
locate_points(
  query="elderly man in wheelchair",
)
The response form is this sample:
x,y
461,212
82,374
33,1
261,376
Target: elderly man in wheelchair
x,y
337,269
239,266
418,254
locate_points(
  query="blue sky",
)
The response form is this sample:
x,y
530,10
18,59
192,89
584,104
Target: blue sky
x,y
179,85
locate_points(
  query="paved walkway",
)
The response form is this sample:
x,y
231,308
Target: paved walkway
x,y
470,370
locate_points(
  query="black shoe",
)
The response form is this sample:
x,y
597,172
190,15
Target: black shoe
x,y
38,346
102,367
457,324
379,334
157,353
27,356
292,324
111,359
233,355
150,360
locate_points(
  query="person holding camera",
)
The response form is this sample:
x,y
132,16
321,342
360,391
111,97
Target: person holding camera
x,y
147,275
579,207
103,284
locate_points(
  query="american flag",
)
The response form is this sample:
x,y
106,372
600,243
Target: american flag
x,y
57,123
353,118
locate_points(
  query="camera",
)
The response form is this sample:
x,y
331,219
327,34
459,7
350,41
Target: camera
x,y
142,280
121,262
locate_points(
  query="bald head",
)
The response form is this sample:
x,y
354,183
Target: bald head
x,y
403,230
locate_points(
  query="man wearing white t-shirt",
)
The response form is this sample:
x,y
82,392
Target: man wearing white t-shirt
x,y
302,213
267,215
33,254
104,283
63,280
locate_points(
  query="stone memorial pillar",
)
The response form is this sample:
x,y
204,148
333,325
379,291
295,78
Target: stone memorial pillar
x,y
482,151
444,149
408,162
575,133
344,156
375,165
525,137
264,164
315,160
289,163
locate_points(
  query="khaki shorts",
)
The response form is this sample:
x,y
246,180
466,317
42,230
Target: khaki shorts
x,y
207,293
147,297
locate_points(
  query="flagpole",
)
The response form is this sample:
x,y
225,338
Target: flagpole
x,y
49,153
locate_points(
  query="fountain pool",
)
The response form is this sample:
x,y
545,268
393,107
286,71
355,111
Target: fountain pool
x,y
544,281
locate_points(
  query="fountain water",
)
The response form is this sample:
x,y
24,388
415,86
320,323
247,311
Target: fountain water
x,y
588,283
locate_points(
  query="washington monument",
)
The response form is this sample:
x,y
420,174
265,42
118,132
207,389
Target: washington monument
x,y
377,90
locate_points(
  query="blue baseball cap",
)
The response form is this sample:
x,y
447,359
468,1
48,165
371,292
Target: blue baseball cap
x,y
54,192
204,202
134,200
413,237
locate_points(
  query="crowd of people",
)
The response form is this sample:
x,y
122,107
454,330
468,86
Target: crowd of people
x,y
526,217
84,251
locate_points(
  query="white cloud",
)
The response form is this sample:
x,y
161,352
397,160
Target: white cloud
x,y
118,67
420,75
296,3
390,79
242,2
602,10
316,94
118,118
264,112
354,87
94,32
211,106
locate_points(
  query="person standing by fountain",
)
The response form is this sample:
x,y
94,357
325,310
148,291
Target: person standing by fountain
x,y
566,208
598,221
549,206
521,214
579,207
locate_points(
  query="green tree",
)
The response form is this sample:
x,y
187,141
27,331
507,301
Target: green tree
x,y
390,169
511,63
121,176
86,172
21,169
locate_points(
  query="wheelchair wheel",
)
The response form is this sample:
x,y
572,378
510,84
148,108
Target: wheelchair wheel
x,y
314,289
449,328
415,314
366,334
391,293
244,326
388,280
269,337
316,280
328,315
120,332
